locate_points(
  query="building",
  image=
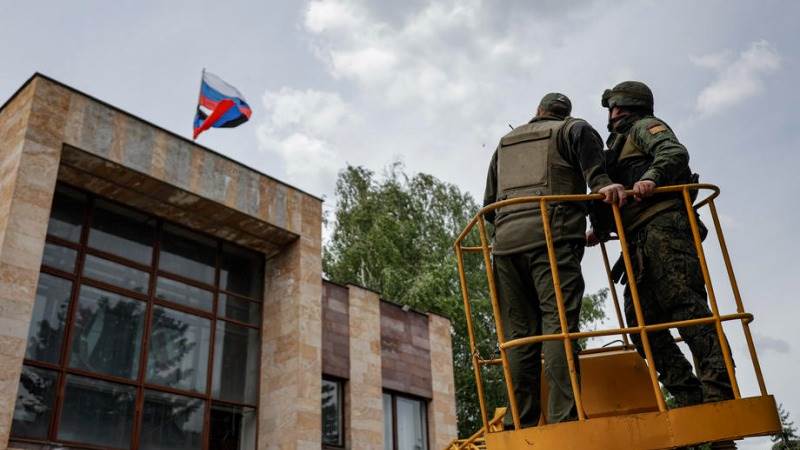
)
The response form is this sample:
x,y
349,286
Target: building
x,y
155,294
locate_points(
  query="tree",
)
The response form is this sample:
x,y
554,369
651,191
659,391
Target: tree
x,y
395,235
787,439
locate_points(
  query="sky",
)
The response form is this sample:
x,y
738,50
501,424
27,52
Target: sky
x,y
435,84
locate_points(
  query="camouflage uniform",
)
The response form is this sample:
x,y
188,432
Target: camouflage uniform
x,y
571,157
665,262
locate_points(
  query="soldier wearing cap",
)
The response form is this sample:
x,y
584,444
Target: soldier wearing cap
x,y
552,154
644,153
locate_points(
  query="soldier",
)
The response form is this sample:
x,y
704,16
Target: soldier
x,y
644,153
552,154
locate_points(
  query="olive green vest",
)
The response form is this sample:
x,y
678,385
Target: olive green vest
x,y
634,214
529,163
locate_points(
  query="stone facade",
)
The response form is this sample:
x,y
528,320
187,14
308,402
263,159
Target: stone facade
x,y
442,421
50,132
364,391
405,351
29,156
335,330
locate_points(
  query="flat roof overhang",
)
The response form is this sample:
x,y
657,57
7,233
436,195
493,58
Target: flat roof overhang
x,y
127,186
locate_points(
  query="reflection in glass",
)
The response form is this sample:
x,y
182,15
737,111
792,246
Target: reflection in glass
x,y
178,352
232,427
388,418
239,309
34,406
66,216
332,413
59,257
188,254
108,332
171,422
184,294
97,412
242,271
46,330
112,273
411,432
235,363
121,231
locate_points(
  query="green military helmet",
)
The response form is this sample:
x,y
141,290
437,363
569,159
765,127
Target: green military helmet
x,y
628,93
556,103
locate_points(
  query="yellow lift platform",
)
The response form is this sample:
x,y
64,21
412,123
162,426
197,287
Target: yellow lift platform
x,y
619,401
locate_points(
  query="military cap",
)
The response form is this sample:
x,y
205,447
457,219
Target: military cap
x,y
556,103
628,93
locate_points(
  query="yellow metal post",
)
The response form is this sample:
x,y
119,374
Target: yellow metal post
x,y
723,342
562,317
476,366
648,354
738,297
512,400
613,290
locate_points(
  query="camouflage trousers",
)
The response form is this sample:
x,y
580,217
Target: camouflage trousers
x,y
528,308
671,288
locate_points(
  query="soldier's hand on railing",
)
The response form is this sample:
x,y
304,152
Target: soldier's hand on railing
x,y
613,193
643,189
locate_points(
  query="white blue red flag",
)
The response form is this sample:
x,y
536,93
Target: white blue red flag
x,y
220,106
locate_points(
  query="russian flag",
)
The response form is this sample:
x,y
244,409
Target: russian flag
x,y
220,106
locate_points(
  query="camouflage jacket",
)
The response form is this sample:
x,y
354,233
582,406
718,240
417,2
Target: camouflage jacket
x,y
649,150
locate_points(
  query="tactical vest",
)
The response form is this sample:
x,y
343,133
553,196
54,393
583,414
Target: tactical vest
x,y
630,165
529,163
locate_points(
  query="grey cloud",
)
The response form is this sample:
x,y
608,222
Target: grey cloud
x,y
766,343
737,80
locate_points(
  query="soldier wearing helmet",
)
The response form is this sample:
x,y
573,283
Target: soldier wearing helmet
x,y
644,153
552,154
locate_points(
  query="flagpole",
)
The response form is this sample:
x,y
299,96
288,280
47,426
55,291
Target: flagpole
x,y
199,96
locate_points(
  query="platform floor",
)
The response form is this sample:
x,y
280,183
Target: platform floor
x,y
733,419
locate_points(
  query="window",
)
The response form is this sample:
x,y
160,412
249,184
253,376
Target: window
x,y
144,335
405,423
332,413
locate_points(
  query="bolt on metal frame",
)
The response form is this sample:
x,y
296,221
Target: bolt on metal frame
x,y
642,328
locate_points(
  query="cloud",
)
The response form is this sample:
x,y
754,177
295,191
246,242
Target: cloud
x,y
439,54
766,344
302,127
712,60
330,15
738,80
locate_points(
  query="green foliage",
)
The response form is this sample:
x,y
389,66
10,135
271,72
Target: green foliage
x,y
395,235
788,438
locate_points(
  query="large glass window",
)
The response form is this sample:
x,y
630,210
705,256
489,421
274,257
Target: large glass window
x,y
405,423
46,331
35,401
97,412
107,333
235,363
144,335
178,353
172,421
232,427
188,254
332,413
122,232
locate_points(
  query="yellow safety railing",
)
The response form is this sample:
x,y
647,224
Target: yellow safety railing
x,y
477,441
642,328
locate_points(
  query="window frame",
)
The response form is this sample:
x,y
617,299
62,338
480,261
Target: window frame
x,y
425,403
341,383
62,370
